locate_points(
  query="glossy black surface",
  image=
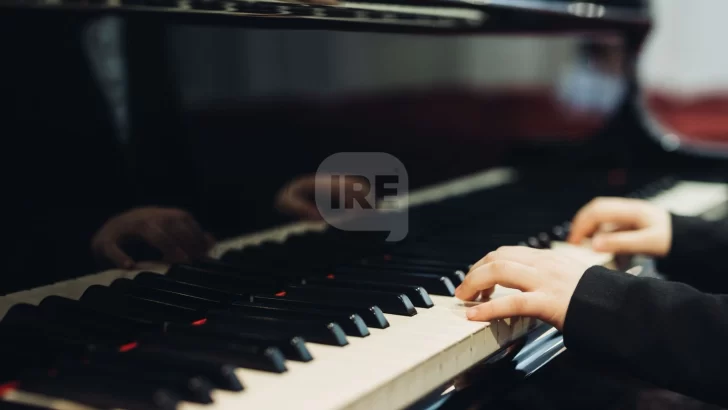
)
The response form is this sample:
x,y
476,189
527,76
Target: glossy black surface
x,y
468,16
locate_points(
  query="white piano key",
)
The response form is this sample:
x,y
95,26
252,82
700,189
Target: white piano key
x,y
690,198
583,253
35,399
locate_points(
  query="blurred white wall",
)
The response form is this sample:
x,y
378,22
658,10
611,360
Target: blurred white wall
x,y
686,53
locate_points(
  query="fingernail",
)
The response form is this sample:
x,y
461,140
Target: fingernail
x,y
470,313
457,291
598,242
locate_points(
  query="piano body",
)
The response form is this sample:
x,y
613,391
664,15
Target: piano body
x,y
305,315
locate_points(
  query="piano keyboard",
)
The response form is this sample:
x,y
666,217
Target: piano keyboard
x,y
300,316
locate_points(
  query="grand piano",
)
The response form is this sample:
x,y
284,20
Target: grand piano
x,y
308,314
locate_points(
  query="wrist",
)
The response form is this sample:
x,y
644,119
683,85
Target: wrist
x,y
597,298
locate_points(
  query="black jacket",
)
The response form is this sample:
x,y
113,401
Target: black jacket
x,y
672,333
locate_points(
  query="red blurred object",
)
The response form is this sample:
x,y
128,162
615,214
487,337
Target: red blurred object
x,y
696,120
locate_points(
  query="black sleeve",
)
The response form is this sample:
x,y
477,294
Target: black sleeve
x,y
665,333
697,253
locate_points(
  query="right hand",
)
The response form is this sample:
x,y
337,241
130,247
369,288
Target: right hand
x,y
623,226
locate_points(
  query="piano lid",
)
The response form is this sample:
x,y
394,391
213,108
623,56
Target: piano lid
x,y
409,16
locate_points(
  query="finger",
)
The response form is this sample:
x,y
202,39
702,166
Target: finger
x,y
521,254
505,273
292,200
603,211
189,235
118,257
183,236
486,294
623,242
155,236
200,240
519,304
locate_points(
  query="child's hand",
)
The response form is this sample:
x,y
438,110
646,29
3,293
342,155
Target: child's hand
x,y
633,227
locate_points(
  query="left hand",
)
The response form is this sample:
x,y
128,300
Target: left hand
x,y
546,279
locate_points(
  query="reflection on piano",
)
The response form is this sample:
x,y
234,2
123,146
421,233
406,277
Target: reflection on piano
x,y
309,316
441,17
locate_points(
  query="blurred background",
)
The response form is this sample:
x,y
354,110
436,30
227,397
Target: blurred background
x,y
218,120
682,70
280,101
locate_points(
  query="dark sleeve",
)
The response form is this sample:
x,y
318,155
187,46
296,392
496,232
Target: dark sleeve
x,y
665,333
697,253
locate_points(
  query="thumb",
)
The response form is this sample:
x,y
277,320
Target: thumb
x,y
629,242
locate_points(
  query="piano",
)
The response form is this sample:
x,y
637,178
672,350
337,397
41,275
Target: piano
x,y
309,315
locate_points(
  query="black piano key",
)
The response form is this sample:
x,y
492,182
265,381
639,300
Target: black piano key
x,y
323,332
65,309
178,292
32,319
320,331
188,386
210,264
417,294
455,276
106,299
221,375
9,405
264,274
433,283
270,273
100,392
437,251
265,358
533,242
268,359
544,240
133,289
351,323
293,347
559,233
31,351
389,302
45,345
371,314
397,259
237,284
159,281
